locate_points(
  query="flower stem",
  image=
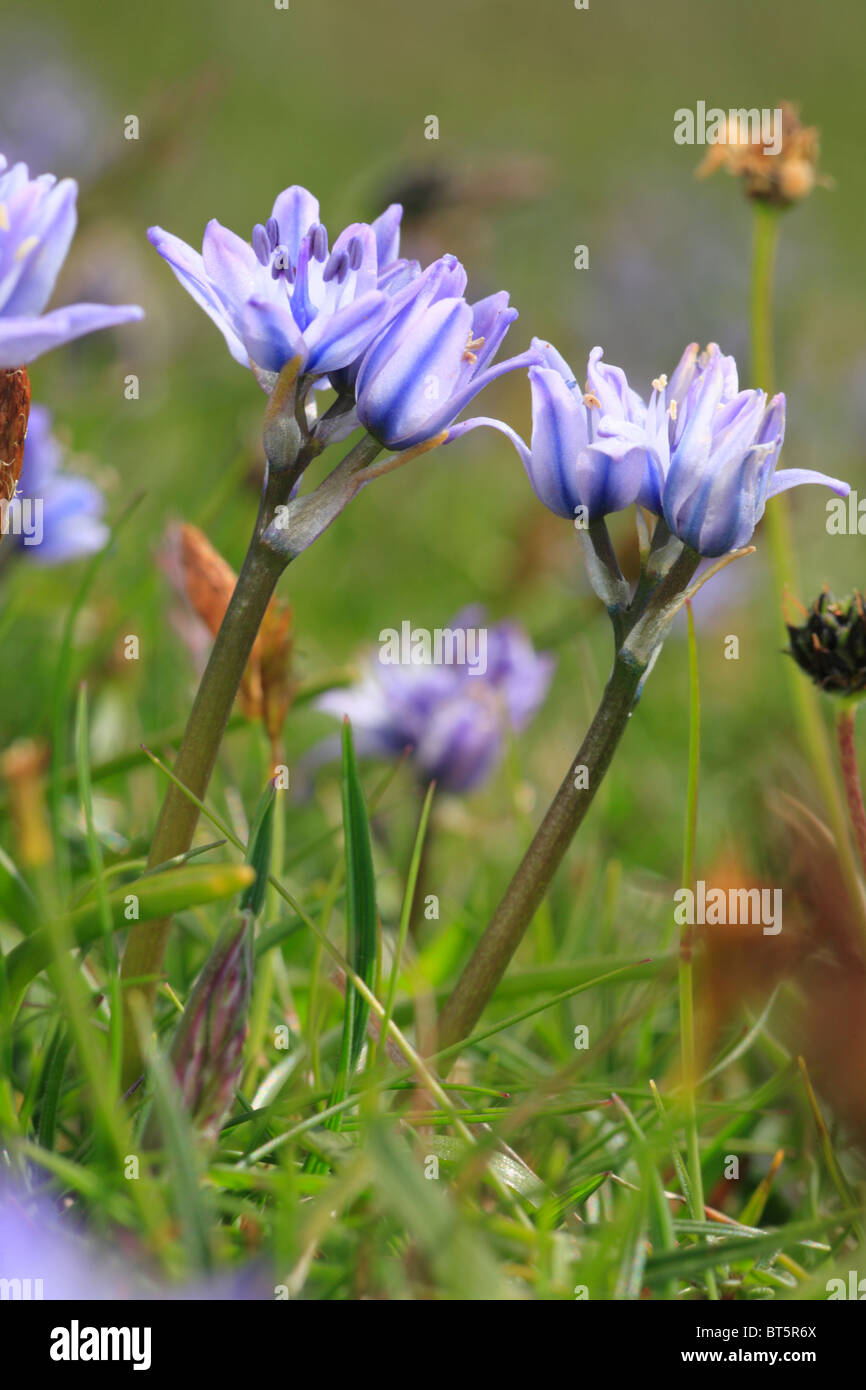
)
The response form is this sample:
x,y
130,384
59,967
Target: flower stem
x,y
532,879
685,961
646,620
851,777
142,959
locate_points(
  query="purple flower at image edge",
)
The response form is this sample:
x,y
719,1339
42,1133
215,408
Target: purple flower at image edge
x,y
38,1243
453,723
37,223
69,509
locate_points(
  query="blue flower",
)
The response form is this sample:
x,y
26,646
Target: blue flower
x,y
710,452
453,721
69,509
701,453
567,462
435,354
284,294
37,222
54,1258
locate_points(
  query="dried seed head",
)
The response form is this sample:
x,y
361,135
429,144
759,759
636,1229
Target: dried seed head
x,y
830,646
778,179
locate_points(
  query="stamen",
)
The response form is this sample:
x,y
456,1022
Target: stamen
x,y
4,218
261,243
591,399
660,382
272,227
473,345
319,242
337,267
673,410
26,247
356,252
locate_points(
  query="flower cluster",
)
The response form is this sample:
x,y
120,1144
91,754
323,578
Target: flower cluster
x,y
700,452
404,342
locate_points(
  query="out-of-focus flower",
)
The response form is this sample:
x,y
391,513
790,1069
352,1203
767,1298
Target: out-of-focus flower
x,y
453,722
51,110
433,358
46,1254
701,453
70,507
779,179
283,294
37,223
830,646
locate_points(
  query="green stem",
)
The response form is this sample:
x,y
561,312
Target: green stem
x,y
685,965
178,817
528,887
532,879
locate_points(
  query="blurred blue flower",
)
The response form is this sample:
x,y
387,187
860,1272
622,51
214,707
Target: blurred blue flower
x,y
453,722
283,294
37,222
54,1258
70,508
433,357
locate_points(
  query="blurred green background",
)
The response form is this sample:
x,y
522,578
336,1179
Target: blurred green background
x,y
555,129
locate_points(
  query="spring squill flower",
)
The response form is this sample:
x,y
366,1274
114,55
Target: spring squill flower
x,y
433,358
284,294
455,723
567,462
701,453
37,222
70,507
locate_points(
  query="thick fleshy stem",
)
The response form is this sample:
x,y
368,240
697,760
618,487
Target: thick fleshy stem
x,y
851,776
528,887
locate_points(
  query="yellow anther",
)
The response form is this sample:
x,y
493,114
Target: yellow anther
x,y
590,399
660,382
473,345
673,410
26,247
4,218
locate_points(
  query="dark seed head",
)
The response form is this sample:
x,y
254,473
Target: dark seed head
x,y
830,646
